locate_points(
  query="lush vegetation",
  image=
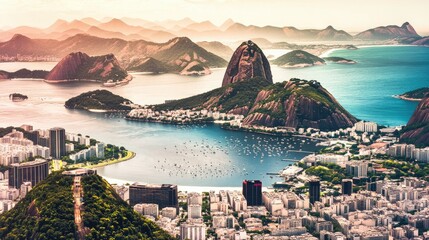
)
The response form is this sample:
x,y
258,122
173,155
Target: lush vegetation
x,y
417,94
297,57
109,217
338,59
226,98
99,99
46,212
330,172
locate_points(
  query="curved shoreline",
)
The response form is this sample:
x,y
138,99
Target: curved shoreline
x,y
130,155
407,98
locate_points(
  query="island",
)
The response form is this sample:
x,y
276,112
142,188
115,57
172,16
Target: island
x,y
18,97
79,66
298,59
24,73
99,101
415,95
248,99
339,60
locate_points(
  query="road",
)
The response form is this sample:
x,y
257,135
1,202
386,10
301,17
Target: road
x,y
77,195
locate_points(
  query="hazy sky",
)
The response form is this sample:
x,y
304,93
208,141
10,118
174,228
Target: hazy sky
x,y
350,15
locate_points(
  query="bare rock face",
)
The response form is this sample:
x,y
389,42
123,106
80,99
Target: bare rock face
x,y
68,67
248,61
79,66
417,129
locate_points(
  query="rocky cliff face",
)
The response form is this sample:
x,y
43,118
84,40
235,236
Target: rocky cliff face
x,y
298,103
79,65
417,129
247,62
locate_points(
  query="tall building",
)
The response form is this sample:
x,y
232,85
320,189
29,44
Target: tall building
x,y
33,171
314,190
347,186
164,195
57,142
252,191
357,169
192,231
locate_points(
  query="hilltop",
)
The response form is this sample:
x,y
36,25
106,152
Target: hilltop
x,y
295,103
298,58
99,100
80,66
248,61
47,212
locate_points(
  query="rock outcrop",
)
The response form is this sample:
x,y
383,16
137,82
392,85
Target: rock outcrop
x,y
80,66
295,103
388,32
298,103
417,129
247,62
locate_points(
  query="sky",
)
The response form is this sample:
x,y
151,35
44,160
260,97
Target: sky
x,y
349,15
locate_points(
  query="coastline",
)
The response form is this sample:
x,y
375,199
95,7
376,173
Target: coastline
x,y
406,98
130,155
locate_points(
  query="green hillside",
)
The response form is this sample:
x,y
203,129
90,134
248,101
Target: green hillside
x,y
98,99
47,212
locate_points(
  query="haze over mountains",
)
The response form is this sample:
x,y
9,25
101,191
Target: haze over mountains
x,y
184,46
139,29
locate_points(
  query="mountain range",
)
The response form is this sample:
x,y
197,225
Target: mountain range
x,y
139,29
175,55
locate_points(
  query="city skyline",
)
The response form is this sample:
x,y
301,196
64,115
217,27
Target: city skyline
x,y
360,16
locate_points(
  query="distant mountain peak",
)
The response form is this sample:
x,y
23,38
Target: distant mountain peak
x,y
19,37
405,24
330,27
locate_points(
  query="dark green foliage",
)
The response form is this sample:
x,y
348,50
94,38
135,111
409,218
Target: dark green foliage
x,y
46,212
234,95
98,99
328,172
297,57
337,59
417,94
108,216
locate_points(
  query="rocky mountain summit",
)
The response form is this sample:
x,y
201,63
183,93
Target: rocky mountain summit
x,y
248,61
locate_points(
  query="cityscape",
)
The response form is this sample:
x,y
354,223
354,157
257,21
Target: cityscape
x,y
196,122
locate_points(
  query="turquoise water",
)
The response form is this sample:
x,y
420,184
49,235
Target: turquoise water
x,y
365,89
208,155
